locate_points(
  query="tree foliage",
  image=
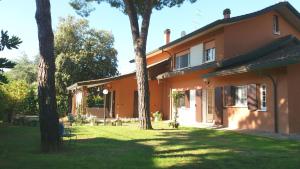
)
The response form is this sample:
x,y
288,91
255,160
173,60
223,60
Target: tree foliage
x,y
17,97
25,70
7,42
83,54
84,7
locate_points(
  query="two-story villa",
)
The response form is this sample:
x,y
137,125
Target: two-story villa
x,y
240,72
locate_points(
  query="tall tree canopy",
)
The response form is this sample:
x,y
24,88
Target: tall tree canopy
x,y
82,53
9,43
135,9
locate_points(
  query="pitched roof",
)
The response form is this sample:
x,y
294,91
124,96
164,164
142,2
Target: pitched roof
x,y
98,82
280,53
284,8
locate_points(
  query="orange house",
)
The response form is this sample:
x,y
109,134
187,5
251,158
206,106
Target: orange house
x,y
239,72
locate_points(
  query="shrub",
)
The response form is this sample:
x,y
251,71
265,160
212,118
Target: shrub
x,y
157,116
17,97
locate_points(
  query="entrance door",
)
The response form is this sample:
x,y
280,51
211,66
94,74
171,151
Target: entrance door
x,y
112,104
208,105
135,105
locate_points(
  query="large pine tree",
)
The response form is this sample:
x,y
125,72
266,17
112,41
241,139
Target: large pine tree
x,y
46,82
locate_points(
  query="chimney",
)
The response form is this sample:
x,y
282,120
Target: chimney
x,y
226,13
183,33
167,33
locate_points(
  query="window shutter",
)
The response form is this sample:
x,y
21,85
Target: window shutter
x,y
187,98
252,100
219,105
229,95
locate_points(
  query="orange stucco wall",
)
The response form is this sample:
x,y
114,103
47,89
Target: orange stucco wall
x,y
293,96
237,117
250,34
124,98
242,118
188,81
217,36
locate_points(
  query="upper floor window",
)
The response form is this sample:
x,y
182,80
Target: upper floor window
x,y
182,60
276,29
263,97
209,52
210,55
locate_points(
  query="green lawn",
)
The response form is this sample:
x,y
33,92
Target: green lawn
x,y
128,147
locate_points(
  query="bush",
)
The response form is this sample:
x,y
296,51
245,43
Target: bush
x,y
94,100
157,116
17,97
62,105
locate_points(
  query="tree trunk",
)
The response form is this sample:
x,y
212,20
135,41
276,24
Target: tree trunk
x,y
143,91
46,83
140,41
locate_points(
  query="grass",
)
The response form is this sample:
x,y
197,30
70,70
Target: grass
x,y
128,147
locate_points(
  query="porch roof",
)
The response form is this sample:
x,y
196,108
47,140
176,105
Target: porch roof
x,y
98,82
174,73
284,54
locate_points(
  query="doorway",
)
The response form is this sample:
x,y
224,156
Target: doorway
x,y
135,105
207,105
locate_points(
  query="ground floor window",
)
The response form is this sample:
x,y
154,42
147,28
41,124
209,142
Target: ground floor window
x,y
241,96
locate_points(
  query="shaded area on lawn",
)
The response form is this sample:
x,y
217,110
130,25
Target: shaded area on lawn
x,y
129,147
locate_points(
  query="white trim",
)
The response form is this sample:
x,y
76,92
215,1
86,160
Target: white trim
x,y
262,108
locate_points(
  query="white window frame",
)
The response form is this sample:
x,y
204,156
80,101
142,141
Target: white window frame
x,y
189,58
205,60
239,96
263,97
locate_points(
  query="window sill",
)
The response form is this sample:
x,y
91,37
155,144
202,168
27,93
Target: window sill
x,y
208,61
261,110
237,106
276,33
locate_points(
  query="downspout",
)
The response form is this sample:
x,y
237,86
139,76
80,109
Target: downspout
x,y
275,102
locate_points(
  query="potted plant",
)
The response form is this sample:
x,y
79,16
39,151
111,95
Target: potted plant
x,y
157,116
176,95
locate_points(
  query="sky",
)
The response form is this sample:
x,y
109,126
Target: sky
x,y
17,17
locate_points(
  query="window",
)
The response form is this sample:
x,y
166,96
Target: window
x,y
209,55
241,96
181,102
263,97
276,25
182,61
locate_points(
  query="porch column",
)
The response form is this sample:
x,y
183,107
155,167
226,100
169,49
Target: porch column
x,y
84,99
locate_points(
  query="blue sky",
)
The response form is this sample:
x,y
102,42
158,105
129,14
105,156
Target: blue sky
x,y
17,16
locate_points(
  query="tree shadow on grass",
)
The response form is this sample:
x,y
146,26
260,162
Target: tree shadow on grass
x,y
110,153
183,148
211,149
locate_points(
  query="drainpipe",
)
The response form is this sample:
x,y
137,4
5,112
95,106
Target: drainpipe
x,y
275,102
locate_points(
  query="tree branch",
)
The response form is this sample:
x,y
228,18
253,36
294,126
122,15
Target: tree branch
x,y
133,17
